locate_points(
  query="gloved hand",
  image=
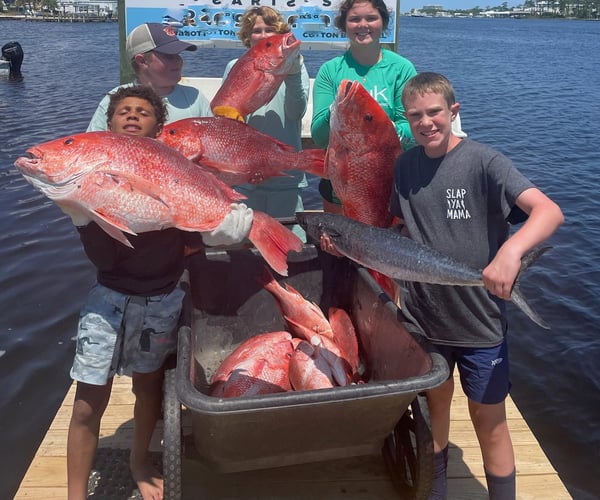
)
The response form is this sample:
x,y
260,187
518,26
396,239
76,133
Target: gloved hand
x,y
233,229
78,217
296,66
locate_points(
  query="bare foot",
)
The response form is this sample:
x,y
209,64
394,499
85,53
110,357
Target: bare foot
x,y
147,478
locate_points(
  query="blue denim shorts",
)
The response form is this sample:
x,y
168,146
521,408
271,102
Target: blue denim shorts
x,y
122,334
484,374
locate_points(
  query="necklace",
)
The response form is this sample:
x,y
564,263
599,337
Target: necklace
x,y
369,67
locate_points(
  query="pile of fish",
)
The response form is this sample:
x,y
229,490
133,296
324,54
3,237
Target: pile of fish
x,y
133,184
315,353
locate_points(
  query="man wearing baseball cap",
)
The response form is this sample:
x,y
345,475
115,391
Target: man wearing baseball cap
x,y
154,51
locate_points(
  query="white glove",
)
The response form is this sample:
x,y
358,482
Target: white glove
x,y
296,66
78,217
233,229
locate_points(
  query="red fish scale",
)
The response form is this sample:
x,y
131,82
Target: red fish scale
x,y
260,365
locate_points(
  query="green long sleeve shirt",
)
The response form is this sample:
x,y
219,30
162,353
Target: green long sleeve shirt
x,y
383,80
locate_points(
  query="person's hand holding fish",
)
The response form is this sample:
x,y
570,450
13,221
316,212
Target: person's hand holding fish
x,y
328,246
234,228
296,65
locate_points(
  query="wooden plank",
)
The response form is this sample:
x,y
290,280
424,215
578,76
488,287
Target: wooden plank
x,y
352,478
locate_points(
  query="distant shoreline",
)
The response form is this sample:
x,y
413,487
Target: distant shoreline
x,y
73,18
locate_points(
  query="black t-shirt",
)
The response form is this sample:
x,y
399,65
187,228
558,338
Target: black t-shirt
x,y
152,267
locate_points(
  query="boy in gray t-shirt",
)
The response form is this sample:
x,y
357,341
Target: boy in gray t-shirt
x,y
456,195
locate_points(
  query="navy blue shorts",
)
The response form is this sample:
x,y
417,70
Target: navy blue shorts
x,y
483,372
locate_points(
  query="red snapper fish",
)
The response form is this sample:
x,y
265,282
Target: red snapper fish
x,y
346,338
259,365
137,184
317,365
238,153
304,318
256,76
363,146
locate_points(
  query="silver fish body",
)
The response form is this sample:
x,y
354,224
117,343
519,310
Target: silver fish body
x,y
400,258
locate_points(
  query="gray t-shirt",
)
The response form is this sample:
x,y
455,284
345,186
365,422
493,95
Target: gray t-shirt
x,y
459,205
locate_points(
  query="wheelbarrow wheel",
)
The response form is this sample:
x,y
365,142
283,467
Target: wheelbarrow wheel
x,y
408,452
172,450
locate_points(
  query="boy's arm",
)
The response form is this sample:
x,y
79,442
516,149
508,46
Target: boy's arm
x,y
545,217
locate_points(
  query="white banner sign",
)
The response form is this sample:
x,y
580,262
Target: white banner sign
x,y
216,22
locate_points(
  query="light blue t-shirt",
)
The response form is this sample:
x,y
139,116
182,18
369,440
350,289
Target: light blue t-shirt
x,y
183,102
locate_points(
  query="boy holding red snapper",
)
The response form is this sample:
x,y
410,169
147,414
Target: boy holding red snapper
x,y
129,322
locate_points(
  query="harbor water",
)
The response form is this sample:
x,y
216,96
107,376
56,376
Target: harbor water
x,y
526,87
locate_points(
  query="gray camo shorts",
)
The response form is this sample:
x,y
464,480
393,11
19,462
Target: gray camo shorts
x,y
122,334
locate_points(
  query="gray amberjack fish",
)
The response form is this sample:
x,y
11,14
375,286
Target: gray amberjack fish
x,y
400,258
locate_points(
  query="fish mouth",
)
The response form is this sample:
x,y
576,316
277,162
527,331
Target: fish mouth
x,y
346,90
291,40
289,43
29,163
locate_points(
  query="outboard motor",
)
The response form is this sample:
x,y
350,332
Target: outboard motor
x,y
13,53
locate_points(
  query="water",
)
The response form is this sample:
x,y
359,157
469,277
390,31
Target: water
x,y
528,88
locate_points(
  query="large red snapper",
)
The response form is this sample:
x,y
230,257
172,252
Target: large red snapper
x,y
363,146
259,365
256,76
238,153
136,184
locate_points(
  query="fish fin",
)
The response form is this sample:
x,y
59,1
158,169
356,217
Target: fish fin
x,y
517,297
228,112
111,220
274,241
128,182
299,329
110,229
312,161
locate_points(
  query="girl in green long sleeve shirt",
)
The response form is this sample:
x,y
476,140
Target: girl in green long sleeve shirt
x,y
382,72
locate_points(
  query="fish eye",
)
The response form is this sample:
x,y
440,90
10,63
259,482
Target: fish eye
x,y
369,118
171,131
69,141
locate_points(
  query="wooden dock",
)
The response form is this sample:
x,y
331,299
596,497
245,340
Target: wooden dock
x,y
354,478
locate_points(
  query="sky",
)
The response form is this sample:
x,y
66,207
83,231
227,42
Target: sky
x,y
407,5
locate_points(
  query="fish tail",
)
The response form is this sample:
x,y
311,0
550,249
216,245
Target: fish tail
x,y
517,297
312,161
274,241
